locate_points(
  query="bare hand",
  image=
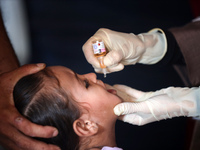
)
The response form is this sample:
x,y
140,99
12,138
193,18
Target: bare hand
x,y
15,130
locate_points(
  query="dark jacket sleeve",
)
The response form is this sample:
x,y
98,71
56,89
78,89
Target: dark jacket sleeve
x,y
188,40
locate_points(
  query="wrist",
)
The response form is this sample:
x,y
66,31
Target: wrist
x,y
186,98
156,46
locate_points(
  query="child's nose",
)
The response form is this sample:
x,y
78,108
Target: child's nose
x,y
92,77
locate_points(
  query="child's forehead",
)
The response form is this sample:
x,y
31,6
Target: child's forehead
x,y
65,77
60,69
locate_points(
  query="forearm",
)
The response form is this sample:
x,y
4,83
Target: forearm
x,y
187,38
8,58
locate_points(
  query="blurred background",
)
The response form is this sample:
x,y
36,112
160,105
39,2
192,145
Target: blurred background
x,y
54,31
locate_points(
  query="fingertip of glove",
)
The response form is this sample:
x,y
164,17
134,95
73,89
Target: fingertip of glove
x,y
117,111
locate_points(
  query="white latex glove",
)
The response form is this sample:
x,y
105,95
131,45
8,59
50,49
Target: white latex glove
x,y
126,48
146,107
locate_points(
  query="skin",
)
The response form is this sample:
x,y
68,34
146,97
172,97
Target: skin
x,y
12,124
8,59
15,130
99,101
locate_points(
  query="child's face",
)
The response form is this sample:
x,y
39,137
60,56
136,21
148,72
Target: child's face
x,y
88,91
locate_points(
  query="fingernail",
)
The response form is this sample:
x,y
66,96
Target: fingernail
x,y
19,119
55,133
41,65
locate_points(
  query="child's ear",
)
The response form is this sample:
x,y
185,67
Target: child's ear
x,y
85,127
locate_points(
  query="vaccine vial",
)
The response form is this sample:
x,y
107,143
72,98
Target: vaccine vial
x,y
100,52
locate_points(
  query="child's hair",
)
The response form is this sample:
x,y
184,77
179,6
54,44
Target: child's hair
x,y
44,102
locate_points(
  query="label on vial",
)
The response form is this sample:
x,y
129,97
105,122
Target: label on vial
x,y
98,47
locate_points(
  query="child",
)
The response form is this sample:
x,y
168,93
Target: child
x,y
79,106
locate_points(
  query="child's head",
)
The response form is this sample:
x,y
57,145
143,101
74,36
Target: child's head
x,y
79,106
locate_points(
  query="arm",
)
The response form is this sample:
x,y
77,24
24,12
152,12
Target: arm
x,y
182,47
8,59
187,38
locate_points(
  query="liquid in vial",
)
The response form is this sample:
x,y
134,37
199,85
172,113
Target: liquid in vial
x,y
100,52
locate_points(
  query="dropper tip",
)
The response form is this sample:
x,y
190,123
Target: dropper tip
x,y
104,72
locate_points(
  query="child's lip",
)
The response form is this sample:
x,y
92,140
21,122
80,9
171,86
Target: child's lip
x,y
112,91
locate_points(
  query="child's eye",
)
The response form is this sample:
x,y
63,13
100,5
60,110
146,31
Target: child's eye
x,y
86,83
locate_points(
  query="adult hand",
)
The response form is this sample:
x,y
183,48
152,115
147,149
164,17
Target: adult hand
x,y
15,130
126,49
146,107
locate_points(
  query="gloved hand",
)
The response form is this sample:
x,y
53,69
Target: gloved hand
x,y
146,107
126,48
